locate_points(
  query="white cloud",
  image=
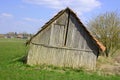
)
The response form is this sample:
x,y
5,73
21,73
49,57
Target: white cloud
x,y
31,19
8,24
80,6
6,15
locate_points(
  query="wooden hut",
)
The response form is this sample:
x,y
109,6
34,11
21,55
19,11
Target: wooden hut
x,y
64,42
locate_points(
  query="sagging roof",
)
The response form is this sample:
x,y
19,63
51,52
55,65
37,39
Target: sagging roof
x,y
99,44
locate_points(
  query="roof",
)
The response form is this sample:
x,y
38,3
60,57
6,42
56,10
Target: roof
x,y
99,44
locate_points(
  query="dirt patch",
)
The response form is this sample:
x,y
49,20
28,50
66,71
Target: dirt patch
x,y
117,59
110,69
109,66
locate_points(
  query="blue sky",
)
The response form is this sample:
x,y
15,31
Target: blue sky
x,y
30,15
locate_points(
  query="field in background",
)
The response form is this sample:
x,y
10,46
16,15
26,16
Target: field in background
x,y
12,68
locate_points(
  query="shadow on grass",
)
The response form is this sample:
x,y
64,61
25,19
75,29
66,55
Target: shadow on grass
x,y
21,59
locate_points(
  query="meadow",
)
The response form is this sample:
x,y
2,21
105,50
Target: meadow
x,y
12,67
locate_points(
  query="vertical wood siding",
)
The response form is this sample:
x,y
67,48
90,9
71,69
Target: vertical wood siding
x,y
79,50
57,35
62,57
43,37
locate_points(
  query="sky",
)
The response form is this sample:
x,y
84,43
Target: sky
x,y
30,15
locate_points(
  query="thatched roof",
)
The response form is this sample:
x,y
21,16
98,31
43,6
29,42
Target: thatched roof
x,y
99,44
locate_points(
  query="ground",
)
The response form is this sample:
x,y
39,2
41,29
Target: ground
x,y
109,65
13,68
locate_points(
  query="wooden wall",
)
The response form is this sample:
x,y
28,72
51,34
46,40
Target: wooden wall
x,y
49,47
63,57
43,37
78,37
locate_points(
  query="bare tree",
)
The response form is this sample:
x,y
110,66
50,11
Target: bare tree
x,y
106,28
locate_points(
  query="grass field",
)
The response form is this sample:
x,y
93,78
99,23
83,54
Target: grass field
x,y
12,68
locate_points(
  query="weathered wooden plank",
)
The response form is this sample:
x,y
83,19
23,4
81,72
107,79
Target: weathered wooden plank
x,y
57,35
43,37
60,57
58,30
75,35
62,20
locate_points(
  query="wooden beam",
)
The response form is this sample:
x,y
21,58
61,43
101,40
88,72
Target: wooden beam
x,y
67,29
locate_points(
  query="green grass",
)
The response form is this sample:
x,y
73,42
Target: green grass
x,y
12,68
